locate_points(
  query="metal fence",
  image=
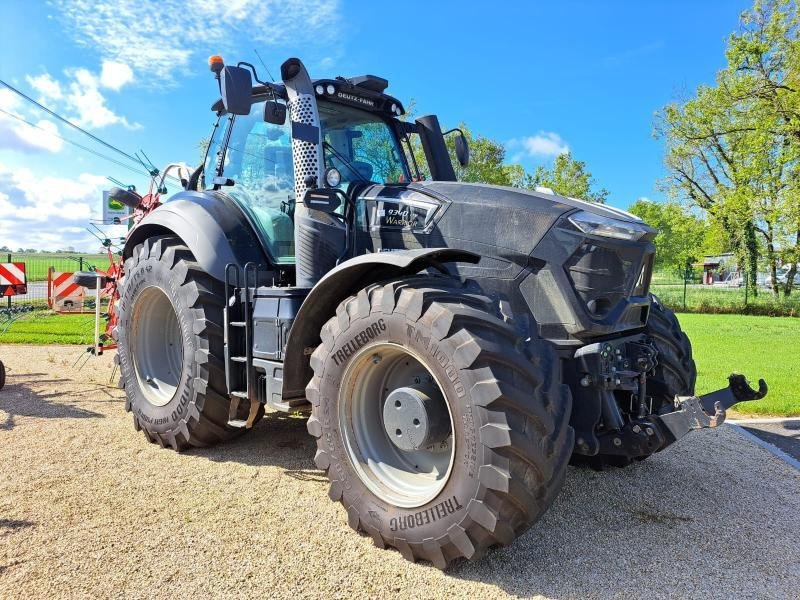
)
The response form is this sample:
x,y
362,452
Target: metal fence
x,y
692,291
37,266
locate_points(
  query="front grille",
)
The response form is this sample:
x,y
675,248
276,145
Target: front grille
x,y
600,276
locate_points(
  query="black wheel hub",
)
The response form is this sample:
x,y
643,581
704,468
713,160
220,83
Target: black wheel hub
x,y
415,419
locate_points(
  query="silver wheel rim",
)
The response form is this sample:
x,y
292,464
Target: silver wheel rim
x,y
157,347
404,479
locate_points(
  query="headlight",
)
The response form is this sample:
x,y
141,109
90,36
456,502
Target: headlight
x,y
611,228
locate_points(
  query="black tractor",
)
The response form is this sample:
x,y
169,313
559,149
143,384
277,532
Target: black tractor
x,y
456,345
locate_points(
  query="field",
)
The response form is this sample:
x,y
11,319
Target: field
x,y
36,265
44,327
767,347
724,300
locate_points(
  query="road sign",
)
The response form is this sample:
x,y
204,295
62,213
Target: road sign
x,y
113,210
12,279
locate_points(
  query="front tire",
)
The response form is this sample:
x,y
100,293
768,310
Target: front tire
x,y
170,347
509,438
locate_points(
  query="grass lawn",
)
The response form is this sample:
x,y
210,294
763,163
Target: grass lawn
x,y
36,266
767,347
44,327
705,299
759,347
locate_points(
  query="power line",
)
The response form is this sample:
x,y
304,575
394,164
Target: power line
x,y
89,150
68,122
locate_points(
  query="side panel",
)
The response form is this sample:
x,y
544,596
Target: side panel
x,y
341,282
211,224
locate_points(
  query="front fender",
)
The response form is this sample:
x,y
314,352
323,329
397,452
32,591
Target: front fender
x,y
341,282
210,223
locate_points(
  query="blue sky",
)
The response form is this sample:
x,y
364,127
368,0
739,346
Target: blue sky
x,y
539,76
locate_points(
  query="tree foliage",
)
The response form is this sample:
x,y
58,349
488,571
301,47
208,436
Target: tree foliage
x,y
681,238
732,149
568,177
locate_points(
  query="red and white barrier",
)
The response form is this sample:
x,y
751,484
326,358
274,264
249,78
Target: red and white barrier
x,y
64,295
12,279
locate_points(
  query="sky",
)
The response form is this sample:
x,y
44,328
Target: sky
x,y
543,77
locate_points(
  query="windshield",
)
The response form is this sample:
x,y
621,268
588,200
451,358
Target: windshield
x,y
360,145
258,158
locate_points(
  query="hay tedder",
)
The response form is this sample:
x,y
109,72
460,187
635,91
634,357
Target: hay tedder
x,y
456,345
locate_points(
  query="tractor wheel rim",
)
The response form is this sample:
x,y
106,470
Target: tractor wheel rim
x,y
157,346
405,479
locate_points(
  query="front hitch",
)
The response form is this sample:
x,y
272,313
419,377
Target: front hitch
x,y
709,410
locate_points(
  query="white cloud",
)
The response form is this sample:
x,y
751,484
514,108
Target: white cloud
x,y
159,37
545,144
21,137
80,96
49,212
86,103
114,75
46,85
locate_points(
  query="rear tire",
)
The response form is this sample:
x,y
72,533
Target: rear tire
x,y
509,419
2,374
170,347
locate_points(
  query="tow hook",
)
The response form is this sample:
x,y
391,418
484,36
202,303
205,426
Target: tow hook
x,y
709,410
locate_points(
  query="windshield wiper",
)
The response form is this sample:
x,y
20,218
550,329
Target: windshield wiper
x,y
346,162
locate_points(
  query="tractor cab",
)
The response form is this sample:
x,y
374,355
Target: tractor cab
x,y
336,137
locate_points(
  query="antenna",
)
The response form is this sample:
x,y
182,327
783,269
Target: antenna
x,y
266,68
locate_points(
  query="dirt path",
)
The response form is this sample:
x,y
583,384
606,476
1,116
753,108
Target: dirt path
x,y
89,508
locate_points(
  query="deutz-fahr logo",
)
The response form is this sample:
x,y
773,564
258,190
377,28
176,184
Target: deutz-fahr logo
x,y
356,99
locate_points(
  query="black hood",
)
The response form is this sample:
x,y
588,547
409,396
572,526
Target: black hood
x,y
481,193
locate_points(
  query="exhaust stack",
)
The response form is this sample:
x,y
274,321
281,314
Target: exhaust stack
x,y
308,167
430,134
318,237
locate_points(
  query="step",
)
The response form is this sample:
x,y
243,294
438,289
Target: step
x,y
239,359
294,405
238,423
237,323
239,394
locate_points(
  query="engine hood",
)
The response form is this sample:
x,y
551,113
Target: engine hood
x,y
518,198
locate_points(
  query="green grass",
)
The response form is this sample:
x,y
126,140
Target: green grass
x,y
759,347
720,300
36,265
767,347
44,327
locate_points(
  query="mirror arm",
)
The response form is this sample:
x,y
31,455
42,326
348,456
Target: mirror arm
x,y
454,129
242,63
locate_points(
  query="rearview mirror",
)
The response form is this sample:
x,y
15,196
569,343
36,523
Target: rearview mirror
x,y
462,150
236,84
274,112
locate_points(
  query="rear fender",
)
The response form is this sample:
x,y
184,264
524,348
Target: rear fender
x,y
341,282
211,224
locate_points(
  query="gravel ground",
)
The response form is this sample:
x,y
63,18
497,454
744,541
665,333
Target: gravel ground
x,y
89,508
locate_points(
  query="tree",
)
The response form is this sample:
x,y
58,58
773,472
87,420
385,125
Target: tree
x,y
681,234
568,177
733,149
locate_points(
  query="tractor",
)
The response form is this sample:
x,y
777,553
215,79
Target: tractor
x,y
455,345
